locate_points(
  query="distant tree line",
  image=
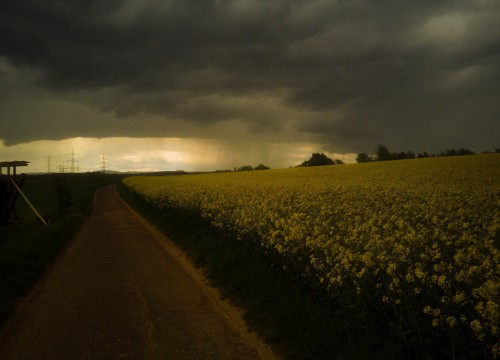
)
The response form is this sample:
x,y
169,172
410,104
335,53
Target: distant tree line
x,y
247,168
382,153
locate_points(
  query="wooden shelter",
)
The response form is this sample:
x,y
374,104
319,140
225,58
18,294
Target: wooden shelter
x,y
10,188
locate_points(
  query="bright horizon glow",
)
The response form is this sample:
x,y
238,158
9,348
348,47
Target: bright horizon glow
x,y
158,154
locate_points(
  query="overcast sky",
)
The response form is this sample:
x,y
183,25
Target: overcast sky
x,y
249,77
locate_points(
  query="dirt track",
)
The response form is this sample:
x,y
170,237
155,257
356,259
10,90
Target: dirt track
x,y
122,290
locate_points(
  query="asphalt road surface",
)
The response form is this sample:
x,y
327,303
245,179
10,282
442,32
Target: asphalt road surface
x,y
123,291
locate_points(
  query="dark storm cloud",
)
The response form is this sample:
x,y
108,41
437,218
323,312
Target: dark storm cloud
x,y
416,74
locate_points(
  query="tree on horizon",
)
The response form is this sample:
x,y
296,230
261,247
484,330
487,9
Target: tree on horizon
x,y
318,159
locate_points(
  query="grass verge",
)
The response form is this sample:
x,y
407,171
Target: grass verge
x,y
292,318
29,247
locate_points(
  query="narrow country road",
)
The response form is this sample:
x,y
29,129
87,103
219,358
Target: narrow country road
x,y
118,292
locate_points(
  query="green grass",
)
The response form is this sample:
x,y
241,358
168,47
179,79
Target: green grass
x,y
28,247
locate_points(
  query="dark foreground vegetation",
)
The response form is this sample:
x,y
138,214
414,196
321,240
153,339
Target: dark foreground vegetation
x,y
28,247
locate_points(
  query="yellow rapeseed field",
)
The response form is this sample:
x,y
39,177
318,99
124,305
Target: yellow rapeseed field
x,y
416,238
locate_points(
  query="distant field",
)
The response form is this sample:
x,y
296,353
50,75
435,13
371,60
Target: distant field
x,y
406,248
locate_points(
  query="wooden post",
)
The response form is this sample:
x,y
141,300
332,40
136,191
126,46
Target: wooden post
x,y
10,188
29,203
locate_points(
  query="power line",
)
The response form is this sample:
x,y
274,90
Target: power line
x,y
48,164
103,163
73,161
